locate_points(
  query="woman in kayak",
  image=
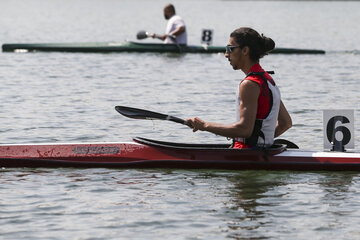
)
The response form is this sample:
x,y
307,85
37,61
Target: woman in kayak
x,y
261,116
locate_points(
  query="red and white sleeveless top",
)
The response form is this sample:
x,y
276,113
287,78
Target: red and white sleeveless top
x,y
267,110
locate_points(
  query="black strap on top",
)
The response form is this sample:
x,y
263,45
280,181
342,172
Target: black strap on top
x,y
259,73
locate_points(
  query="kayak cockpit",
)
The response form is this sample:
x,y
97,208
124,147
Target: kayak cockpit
x,y
274,149
157,143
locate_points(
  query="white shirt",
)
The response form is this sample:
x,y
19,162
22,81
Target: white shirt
x,y
174,23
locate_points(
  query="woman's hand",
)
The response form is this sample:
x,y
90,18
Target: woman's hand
x,y
196,124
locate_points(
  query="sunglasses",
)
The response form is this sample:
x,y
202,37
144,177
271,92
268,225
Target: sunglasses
x,y
230,48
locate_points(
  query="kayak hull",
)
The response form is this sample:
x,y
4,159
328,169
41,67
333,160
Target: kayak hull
x,y
174,164
125,155
105,47
156,154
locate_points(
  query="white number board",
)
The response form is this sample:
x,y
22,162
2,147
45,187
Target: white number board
x,y
338,129
207,36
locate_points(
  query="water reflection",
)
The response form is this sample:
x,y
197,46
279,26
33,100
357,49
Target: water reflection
x,y
337,192
262,201
250,200
335,182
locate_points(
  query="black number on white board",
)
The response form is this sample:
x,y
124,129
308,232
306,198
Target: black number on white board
x,y
331,131
207,36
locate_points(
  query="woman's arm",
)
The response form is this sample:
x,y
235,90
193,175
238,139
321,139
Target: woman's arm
x,y
249,93
284,121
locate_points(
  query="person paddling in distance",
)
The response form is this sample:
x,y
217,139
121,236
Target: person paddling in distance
x,y
260,114
175,30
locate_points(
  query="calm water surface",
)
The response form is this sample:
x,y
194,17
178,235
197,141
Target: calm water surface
x,y
70,97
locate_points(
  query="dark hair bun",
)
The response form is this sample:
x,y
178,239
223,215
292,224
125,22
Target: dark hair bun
x,y
259,44
268,44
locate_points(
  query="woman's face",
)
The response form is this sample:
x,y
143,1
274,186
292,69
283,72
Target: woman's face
x,y
234,54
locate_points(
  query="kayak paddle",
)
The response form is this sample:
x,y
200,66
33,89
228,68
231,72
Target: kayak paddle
x,y
137,113
145,114
142,35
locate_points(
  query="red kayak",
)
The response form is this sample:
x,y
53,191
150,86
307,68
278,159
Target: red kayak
x,y
146,153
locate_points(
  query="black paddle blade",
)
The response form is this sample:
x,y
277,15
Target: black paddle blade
x,y
145,114
142,35
287,143
139,113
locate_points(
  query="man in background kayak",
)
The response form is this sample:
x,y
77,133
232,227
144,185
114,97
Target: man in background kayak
x,y
175,30
260,114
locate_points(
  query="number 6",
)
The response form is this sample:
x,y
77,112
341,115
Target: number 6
x,y
331,131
